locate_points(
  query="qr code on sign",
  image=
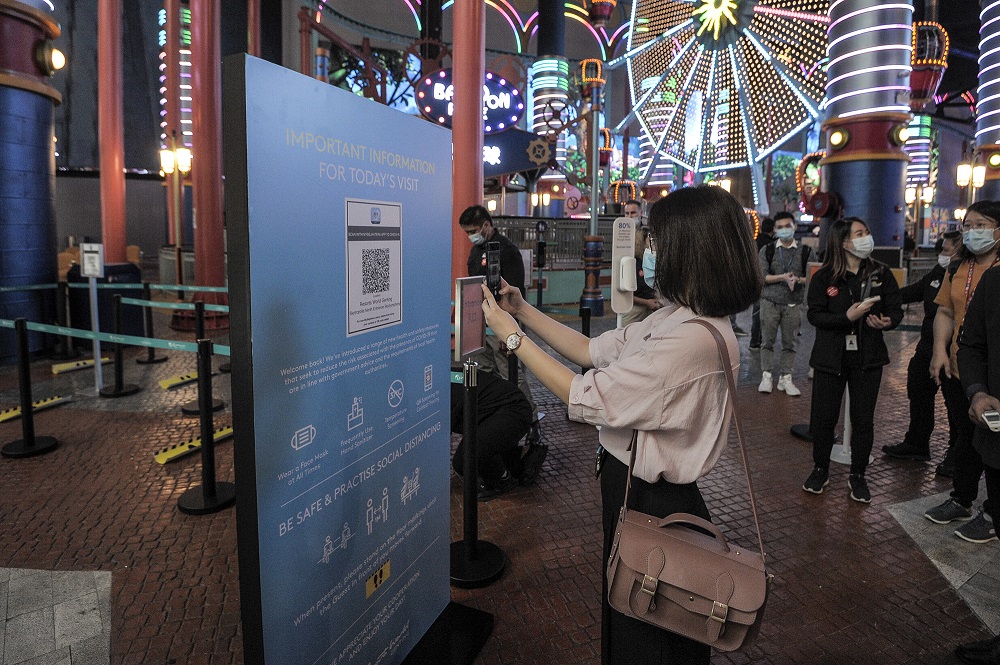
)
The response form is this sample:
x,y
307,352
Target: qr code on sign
x,y
374,271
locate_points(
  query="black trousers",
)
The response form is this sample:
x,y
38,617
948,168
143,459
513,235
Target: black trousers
x,y
624,640
755,326
968,462
828,391
921,391
503,418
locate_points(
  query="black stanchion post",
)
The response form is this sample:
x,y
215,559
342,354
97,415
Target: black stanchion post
x,y
151,357
120,389
210,496
29,445
193,408
64,344
474,563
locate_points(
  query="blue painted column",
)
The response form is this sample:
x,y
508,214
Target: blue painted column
x,y
27,167
987,151
867,104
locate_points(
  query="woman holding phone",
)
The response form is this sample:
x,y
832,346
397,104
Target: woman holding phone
x,y
851,301
657,376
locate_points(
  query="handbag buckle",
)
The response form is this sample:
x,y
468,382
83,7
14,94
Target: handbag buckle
x,y
719,612
649,585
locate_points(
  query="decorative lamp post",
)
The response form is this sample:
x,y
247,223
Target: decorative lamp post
x,y
592,83
175,162
607,147
622,190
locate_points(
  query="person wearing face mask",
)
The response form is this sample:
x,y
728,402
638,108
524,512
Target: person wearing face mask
x,y
644,300
979,253
920,387
477,223
784,263
849,351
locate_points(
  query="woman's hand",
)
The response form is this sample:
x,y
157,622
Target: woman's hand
x,y
859,309
878,321
510,298
501,322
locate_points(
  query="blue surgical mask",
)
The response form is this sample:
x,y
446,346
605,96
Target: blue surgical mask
x,y
979,241
862,247
784,233
649,267
477,239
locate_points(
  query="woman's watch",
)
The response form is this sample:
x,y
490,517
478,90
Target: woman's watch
x,y
513,341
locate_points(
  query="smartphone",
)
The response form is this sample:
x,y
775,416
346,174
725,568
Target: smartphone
x,y
992,419
493,268
872,299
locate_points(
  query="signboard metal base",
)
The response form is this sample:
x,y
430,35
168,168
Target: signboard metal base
x,y
456,638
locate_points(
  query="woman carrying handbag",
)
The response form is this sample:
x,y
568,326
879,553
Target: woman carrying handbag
x,y
657,377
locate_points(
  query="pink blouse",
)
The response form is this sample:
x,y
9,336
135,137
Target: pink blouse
x,y
666,380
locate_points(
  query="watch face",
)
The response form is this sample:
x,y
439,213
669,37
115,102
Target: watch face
x,y
513,341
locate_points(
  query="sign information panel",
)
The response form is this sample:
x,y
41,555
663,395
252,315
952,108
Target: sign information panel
x,y
338,212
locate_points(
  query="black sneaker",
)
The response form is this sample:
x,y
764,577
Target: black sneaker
x,y
817,480
532,463
906,451
490,491
534,434
859,488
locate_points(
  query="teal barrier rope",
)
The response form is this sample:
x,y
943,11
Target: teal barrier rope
x,y
218,349
29,287
161,287
112,285
172,305
182,287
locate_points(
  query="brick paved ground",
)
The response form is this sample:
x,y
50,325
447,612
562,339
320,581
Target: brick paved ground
x,y
850,587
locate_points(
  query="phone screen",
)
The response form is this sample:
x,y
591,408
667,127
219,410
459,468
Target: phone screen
x,y
493,268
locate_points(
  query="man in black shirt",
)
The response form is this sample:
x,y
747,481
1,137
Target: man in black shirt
x,y
477,223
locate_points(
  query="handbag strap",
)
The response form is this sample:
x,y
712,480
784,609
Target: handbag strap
x,y
731,383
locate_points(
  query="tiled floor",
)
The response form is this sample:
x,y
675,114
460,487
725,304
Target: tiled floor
x,y
854,584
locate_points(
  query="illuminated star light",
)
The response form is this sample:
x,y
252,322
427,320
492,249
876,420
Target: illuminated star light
x,y
712,12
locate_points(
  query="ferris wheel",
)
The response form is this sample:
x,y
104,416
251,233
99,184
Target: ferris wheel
x,y
719,84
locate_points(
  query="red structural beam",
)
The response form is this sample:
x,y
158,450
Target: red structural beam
x,y
111,129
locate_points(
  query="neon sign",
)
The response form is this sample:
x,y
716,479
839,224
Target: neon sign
x,y
503,104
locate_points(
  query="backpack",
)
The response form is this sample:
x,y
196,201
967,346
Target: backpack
x,y
806,255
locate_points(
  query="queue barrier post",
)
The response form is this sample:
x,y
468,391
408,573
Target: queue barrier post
x,y
474,563
64,344
151,357
193,408
28,445
120,388
211,496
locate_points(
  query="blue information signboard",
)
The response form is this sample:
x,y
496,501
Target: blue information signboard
x,y
338,218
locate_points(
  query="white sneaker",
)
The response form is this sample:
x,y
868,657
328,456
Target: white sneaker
x,y
766,384
785,383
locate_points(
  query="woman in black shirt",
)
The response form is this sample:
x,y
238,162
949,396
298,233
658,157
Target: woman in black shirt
x,y
851,301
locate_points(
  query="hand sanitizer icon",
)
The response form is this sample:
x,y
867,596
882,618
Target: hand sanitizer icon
x,y
356,417
376,215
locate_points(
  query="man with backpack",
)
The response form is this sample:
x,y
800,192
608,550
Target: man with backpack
x,y
784,263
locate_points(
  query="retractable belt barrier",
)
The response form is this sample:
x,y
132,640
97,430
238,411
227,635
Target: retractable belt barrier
x,y
172,305
139,287
130,340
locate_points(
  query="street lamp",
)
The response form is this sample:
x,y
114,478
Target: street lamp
x,y
978,176
176,162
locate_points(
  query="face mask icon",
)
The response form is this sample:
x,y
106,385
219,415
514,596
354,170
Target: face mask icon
x,y
376,215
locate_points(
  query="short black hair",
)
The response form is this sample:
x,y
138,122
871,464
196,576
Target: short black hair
x,y
634,202
474,216
767,226
706,258
784,214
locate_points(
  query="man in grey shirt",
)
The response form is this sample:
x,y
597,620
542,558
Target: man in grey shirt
x,y
783,263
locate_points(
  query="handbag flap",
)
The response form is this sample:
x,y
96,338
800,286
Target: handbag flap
x,y
694,562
